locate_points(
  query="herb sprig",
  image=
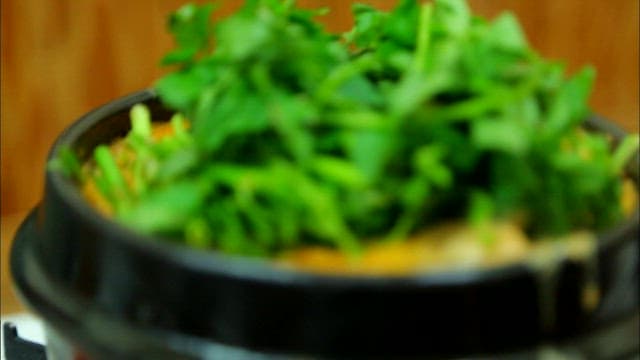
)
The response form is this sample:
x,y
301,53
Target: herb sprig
x,y
299,136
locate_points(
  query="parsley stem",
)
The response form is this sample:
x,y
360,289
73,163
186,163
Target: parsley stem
x,y
627,148
113,180
424,37
140,121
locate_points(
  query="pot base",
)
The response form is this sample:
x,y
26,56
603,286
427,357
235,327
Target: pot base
x,y
74,330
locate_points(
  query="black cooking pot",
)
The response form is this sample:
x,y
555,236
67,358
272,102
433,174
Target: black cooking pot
x,y
111,293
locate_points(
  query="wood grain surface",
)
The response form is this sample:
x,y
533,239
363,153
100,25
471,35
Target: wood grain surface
x,y
61,58
9,302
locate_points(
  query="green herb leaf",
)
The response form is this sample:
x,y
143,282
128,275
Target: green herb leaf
x,y
287,135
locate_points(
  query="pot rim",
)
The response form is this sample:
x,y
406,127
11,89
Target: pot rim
x,y
263,270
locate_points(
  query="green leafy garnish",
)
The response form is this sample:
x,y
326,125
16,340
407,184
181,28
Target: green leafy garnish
x,y
298,136
67,163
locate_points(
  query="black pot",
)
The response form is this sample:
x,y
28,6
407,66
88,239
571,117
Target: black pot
x,y
112,293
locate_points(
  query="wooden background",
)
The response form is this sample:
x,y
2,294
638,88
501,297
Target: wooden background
x,y
60,58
